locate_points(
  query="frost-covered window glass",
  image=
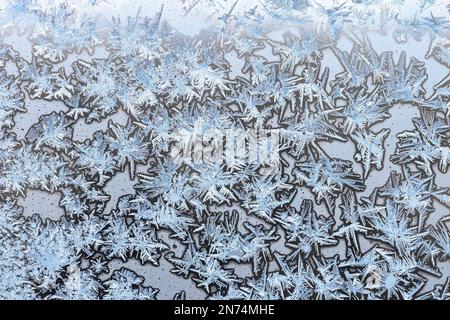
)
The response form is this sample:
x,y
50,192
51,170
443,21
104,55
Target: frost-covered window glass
x,y
224,149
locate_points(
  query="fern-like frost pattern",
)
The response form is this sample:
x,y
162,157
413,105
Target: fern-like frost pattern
x,y
252,154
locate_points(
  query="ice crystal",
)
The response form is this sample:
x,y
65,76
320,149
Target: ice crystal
x,y
230,142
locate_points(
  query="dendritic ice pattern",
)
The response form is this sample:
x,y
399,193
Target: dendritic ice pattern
x,y
101,199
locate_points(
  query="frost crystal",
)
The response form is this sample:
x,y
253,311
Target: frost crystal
x,y
275,150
